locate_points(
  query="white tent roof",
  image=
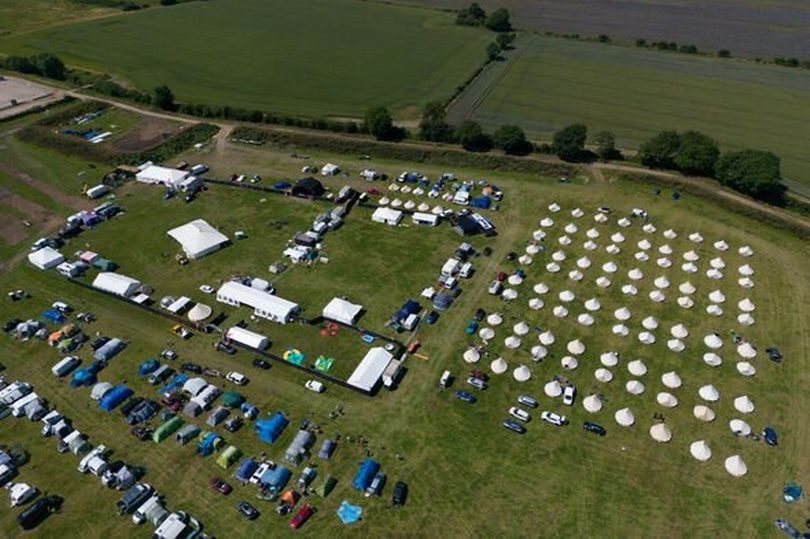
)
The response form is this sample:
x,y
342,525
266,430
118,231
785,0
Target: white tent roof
x,y
660,433
546,337
471,355
641,256
156,174
525,260
486,333
194,386
686,288
99,390
553,389
609,267
695,237
538,234
622,313
747,351
498,366
716,296
569,363
600,218
370,369
743,404
671,379
679,331
661,282
621,330
603,375
509,294
342,311
585,319
629,290
199,312
247,337
46,258
700,450
538,352
512,342
691,256
115,283
649,228
689,267
644,244
717,263
609,359
740,427
624,417
559,311
494,319
645,337
515,279
657,296
746,305
571,228
664,262
564,240
721,245
521,328
536,304
590,245
575,347
602,282
635,274
686,302
650,323
714,273
745,319
577,212
714,310
547,222
746,369
593,305
713,341
197,238
676,345
712,360
583,262
637,367
540,288
592,403
567,296
709,393
703,413
532,249
746,250
265,305
634,387
612,249
522,373
666,399
670,234
736,466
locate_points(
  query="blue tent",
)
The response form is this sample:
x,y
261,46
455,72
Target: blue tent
x,y
791,492
268,430
365,474
250,411
480,202
177,380
86,376
348,513
114,397
282,185
408,308
52,315
276,478
208,443
148,366
245,469
770,436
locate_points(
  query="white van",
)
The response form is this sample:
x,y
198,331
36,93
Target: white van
x,y
19,406
65,366
14,392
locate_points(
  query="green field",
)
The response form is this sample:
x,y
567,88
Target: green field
x,y
467,476
308,58
635,93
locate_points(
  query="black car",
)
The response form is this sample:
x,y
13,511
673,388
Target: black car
x,y
233,424
480,314
594,428
260,363
774,354
431,318
514,426
38,511
130,405
192,368
224,347
98,343
11,324
400,493
247,510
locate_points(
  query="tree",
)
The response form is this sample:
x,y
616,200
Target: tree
x,y
569,142
754,173
512,140
20,64
49,65
472,137
660,151
724,53
605,143
697,154
504,40
164,98
380,123
434,126
498,20
473,15
493,50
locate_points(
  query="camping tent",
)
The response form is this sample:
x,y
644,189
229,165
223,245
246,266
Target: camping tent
x,y
660,433
229,456
521,328
634,387
540,288
576,347
637,367
609,359
676,345
546,338
700,450
486,333
667,400
538,352
585,319
308,187
365,473
703,413
512,342
197,238
472,355
746,369
592,403
46,258
99,390
326,486
679,331
114,397
739,427
671,379
713,341
522,373
553,389
712,360
593,305
743,404
498,366
709,393
494,319
624,417
269,429
186,434
736,466
245,470
209,442
622,313
569,363
275,478
645,337
747,351
621,330
167,429
603,375
348,513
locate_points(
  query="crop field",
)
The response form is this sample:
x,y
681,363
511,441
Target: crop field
x,y
634,93
746,27
309,58
455,457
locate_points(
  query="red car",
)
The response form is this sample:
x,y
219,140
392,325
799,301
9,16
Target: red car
x,y
220,486
373,191
301,516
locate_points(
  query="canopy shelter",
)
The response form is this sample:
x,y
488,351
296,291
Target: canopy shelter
x,y
634,387
197,238
666,399
637,367
709,393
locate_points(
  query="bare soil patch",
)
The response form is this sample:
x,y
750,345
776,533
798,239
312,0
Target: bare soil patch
x,y
147,134
12,229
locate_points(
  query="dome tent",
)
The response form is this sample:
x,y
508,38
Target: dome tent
x,y
622,313
736,466
747,351
664,262
739,427
585,319
515,279
700,450
584,262
676,345
650,323
592,403
671,379
645,337
521,328
536,304
746,282
569,363
679,331
559,311
713,341
603,375
624,417
660,433
540,288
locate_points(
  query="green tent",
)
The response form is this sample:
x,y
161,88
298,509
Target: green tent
x,y
232,399
229,456
167,428
104,265
324,363
326,486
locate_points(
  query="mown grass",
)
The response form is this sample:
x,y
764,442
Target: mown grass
x,y
636,93
467,475
310,58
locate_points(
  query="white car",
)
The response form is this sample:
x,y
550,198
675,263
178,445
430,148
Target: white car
x,y
237,378
554,419
263,467
568,394
314,385
206,289
519,413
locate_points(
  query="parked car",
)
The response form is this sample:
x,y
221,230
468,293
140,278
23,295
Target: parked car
x,y
520,414
233,424
98,343
569,393
315,386
400,493
774,354
247,510
480,314
465,396
206,289
527,400
192,368
260,363
220,485
225,348
553,419
38,511
237,378
472,326
169,354
141,433
477,383
787,528
514,426
130,405
431,318
376,486
594,428
301,516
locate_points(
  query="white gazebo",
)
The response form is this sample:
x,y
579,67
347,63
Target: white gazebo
x,y
709,393
666,399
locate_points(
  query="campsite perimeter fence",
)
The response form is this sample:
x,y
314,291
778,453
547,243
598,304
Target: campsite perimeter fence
x,y
197,326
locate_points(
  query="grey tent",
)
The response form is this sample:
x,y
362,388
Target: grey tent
x,y
217,416
186,434
192,409
298,448
327,448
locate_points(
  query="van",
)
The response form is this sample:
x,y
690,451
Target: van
x,y
444,381
174,526
19,406
14,392
162,372
196,170
466,270
146,509
98,450
65,366
133,498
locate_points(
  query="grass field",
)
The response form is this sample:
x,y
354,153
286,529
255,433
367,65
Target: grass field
x,y
467,476
308,58
554,82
